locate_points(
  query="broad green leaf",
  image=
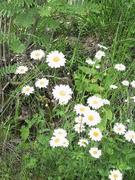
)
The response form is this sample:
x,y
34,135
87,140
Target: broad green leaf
x,y
109,114
16,46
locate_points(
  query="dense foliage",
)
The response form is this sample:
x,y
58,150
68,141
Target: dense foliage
x,y
74,28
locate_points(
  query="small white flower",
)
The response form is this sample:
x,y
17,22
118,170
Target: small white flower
x,y
95,152
83,142
57,141
125,83
106,101
133,98
62,93
98,66
41,83
126,100
119,128
60,132
101,46
130,135
95,102
21,70
37,54
133,84
99,54
95,134
115,175
113,86
90,62
92,118
79,128
27,90
79,120
128,120
120,67
80,109
56,59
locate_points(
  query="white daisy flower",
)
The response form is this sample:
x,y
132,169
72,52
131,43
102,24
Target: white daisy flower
x,y
125,83
133,84
92,118
62,93
37,54
60,132
115,175
120,67
80,109
130,135
21,70
42,83
101,46
79,120
99,54
113,86
106,101
95,134
83,142
57,141
27,90
90,62
95,152
95,102
119,128
56,59
79,128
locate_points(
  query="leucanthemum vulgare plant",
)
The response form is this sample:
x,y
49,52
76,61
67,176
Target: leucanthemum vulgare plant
x,y
67,90
92,117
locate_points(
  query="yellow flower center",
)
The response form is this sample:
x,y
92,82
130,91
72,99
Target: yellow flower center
x,y
62,93
56,59
115,176
90,117
41,82
56,140
27,89
82,109
119,129
96,134
95,102
94,152
37,55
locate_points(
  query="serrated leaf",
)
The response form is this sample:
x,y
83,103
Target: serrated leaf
x,y
25,19
45,11
16,46
94,88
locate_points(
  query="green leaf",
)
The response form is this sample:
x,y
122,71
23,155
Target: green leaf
x,y
103,124
24,19
24,133
85,70
45,11
16,46
94,88
108,114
